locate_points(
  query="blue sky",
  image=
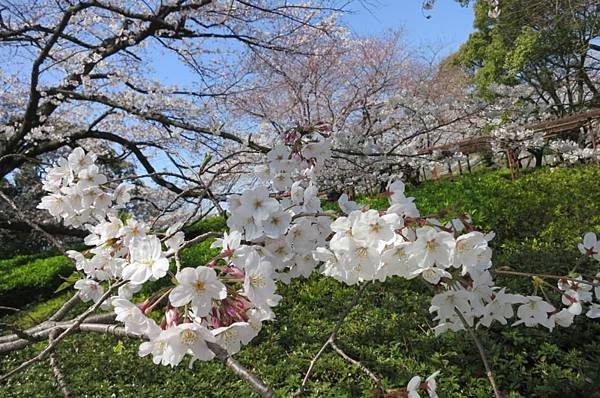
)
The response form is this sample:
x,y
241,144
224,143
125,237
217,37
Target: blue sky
x,y
450,24
446,29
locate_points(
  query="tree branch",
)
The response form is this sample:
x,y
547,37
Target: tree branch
x,y
488,369
58,375
359,365
331,339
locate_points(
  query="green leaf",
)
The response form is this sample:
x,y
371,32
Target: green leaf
x,y
68,282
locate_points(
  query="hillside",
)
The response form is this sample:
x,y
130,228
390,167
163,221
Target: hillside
x,y
538,220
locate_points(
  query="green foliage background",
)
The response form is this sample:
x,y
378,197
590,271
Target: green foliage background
x,y
544,44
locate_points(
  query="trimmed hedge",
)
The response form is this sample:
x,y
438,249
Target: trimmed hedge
x,y
32,281
209,224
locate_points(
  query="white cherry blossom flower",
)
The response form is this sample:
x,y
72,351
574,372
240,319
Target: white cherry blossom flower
x,y
121,194
199,286
395,261
472,252
229,243
594,311
183,339
233,336
413,387
259,285
90,177
257,204
131,316
563,318
432,248
371,227
590,246
147,260
500,308
175,242
128,290
431,385
535,312
56,204
346,205
396,189
78,159
276,224
89,289
245,224
447,302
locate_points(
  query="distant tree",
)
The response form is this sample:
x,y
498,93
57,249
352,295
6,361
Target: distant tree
x,y
550,45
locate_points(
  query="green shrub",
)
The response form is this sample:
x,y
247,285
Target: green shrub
x,y
209,224
33,281
8,264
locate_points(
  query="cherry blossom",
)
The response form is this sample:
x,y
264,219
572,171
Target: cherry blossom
x,y
147,260
89,290
535,311
199,286
185,338
590,246
233,336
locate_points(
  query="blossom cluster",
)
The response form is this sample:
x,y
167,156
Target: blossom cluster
x,y
274,228
371,245
75,191
570,152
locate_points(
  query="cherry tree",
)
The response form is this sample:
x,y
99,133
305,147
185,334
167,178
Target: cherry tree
x,y
381,101
85,74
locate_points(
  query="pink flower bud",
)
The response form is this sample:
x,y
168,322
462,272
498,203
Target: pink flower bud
x,y
236,272
172,317
214,320
572,299
145,306
229,309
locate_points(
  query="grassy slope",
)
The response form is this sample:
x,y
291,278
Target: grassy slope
x,y
538,220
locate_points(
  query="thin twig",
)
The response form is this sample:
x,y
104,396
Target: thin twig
x,y
359,365
330,339
530,274
60,337
58,375
158,301
488,369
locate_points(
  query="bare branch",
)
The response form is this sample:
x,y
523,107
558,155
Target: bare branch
x,y
488,369
330,339
58,375
359,365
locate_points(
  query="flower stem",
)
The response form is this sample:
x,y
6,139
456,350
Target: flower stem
x,y
488,369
